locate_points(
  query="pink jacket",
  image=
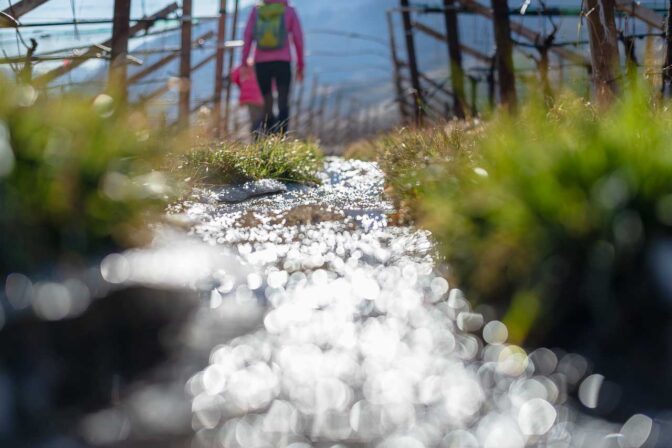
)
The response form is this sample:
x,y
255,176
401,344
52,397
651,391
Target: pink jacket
x,y
294,31
250,93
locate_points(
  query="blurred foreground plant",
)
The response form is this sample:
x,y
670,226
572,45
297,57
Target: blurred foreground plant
x,y
561,217
76,178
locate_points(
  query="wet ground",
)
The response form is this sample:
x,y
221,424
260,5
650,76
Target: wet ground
x,y
321,325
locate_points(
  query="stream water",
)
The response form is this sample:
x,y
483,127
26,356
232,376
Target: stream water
x,y
321,325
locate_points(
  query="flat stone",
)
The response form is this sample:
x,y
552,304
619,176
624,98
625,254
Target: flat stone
x,y
248,190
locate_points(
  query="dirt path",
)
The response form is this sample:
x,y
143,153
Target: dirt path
x,y
324,326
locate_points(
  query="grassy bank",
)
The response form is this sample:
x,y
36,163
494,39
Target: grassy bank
x,y
552,215
416,160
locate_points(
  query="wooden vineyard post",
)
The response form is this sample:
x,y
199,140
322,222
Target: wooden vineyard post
x,y
356,121
310,123
336,119
234,32
455,55
219,69
544,68
504,57
360,124
603,49
474,93
630,58
185,65
351,120
396,66
649,57
118,75
667,66
368,122
319,128
418,108
490,79
296,121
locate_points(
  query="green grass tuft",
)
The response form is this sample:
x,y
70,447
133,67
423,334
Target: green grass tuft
x,y
271,158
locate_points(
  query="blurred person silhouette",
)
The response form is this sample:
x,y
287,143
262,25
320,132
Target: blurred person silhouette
x,y
274,27
245,78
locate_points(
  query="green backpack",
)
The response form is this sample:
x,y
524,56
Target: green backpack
x,y
271,31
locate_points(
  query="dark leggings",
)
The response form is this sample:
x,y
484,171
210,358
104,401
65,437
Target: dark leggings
x,y
281,73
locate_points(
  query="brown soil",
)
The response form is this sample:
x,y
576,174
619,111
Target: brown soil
x,y
301,215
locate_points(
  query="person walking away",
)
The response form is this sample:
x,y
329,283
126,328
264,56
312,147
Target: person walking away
x,y
274,26
245,78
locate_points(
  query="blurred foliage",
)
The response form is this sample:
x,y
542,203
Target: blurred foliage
x,y
76,177
551,214
558,209
232,162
